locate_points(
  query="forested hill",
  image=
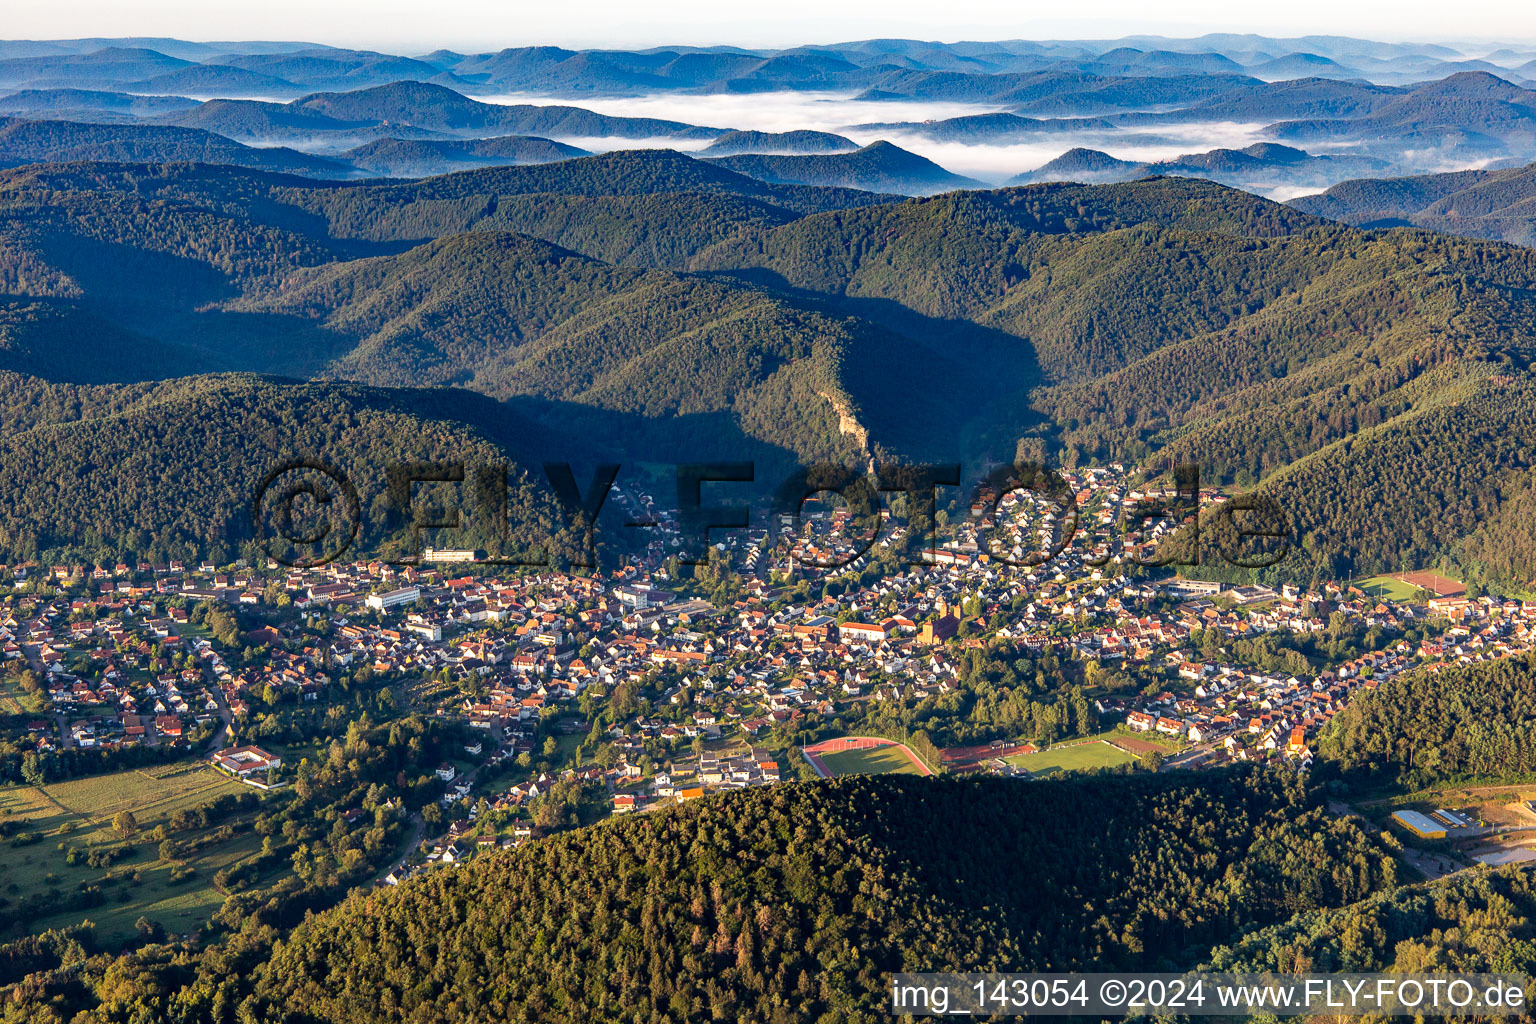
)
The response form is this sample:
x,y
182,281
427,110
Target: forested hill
x,y
791,903
24,142
593,345
414,158
1477,204
1177,319
638,172
1377,382
878,167
1472,922
432,106
1460,723
169,470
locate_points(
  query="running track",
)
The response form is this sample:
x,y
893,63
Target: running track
x,y
813,753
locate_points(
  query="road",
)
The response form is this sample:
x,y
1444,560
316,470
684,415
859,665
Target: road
x,y
226,717
418,833
60,719
221,736
419,824
1437,863
1192,757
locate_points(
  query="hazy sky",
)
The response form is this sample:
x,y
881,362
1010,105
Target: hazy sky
x,y
415,26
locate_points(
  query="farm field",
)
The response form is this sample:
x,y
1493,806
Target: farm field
x,y
78,813
151,793
1076,757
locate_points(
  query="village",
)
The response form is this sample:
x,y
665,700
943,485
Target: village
x,y
655,689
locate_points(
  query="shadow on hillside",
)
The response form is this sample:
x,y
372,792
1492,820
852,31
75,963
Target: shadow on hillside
x,y
272,343
59,341
961,389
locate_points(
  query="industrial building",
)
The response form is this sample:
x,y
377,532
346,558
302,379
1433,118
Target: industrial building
x,y
1421,825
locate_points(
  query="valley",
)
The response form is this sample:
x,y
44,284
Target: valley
x,y
655,534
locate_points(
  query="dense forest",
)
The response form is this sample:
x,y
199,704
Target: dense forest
x,y
409,158
1423,727
170,470
789,903
1473,921
25,142
878,167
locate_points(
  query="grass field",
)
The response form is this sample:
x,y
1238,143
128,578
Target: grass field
x,y
79,813
151,794
10,698
1071,758
1139,740
874,761
1387,587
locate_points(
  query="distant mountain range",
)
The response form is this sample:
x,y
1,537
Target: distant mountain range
x,y
876,65
1263,162
760,292
892,66
1476,109
989,128
1363,108
1478,204
419,128
878,167
652,302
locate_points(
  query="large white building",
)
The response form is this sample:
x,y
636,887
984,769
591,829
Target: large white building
x,y
450,555
405,595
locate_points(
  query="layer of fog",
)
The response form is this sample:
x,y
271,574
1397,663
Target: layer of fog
x,y
762,111
995,163
610,143
1285,193
837,112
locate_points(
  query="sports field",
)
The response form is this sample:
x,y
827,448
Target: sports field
x,y
1076,757
1389,587
875,761
861,755
1404,586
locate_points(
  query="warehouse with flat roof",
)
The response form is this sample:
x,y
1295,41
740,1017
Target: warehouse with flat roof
x,y
1421,825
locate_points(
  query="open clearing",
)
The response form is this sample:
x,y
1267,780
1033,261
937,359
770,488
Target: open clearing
x,y
150,793
78,813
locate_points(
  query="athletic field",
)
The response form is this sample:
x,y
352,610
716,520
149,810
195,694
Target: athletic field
x,y
1096,754
862,755
1403,586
